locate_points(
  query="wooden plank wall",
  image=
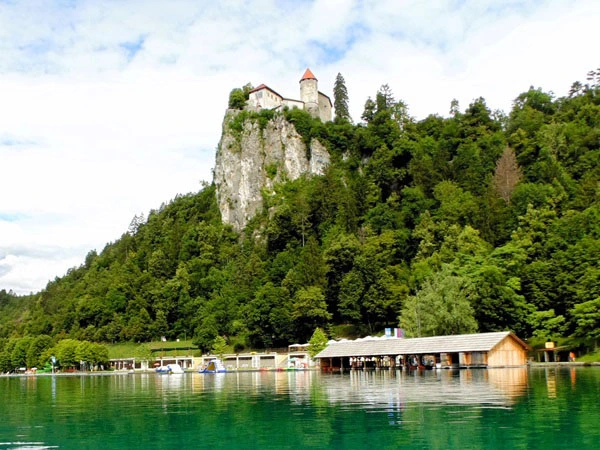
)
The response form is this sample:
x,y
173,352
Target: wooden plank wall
x,y
507,353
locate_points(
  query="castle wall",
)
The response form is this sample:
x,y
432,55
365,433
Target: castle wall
x,y
293,103
324,108
311,100
265,98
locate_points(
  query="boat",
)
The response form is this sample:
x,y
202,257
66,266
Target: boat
x,y
214,366
169,369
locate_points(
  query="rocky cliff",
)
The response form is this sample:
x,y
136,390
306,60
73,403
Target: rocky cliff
x,y
257,154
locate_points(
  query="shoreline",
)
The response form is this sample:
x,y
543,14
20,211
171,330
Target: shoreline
x,y
533,365
564,364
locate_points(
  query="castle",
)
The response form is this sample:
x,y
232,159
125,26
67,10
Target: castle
x,y
311,100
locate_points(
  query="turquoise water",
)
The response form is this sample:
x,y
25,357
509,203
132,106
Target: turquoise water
x,y
470,409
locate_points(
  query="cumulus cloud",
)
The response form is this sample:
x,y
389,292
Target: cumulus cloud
x,y
111,108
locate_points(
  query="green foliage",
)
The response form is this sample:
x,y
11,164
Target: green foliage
x,y
310,310
587,318
237,99
239,96
317,342
306,126
36,349
441,307
219,346
238,119
271,170
475,221
340,99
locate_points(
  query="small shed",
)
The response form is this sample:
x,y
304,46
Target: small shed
x,y
498,349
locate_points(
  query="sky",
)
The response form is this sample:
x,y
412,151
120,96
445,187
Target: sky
x,y
110,108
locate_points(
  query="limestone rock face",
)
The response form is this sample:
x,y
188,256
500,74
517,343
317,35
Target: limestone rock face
x,y
258,159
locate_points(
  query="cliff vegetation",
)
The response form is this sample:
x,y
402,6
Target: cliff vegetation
x,y
480,221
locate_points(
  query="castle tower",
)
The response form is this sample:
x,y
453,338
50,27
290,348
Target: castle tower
x,y
309,93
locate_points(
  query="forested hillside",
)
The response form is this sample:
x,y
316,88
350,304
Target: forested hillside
x,y
475,222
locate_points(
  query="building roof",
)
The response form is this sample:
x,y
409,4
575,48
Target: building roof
x,y
260,87
308,75
418,346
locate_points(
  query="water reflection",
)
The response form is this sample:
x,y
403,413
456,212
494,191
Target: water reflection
x,y
497,387
255,382
551,382
491,387
491,409
26,445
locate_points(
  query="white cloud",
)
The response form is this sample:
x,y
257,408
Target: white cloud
x,y
108,109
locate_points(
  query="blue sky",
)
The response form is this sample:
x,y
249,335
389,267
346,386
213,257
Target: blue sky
x,y
109,108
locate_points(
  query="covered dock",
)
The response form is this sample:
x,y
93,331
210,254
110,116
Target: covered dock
x,y
499,349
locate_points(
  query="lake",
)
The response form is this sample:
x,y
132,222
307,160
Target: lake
x,y
546,408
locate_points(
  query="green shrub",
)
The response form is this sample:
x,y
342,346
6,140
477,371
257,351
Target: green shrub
x,y
237,99
271,170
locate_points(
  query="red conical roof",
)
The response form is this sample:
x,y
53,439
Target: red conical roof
x,y
308,75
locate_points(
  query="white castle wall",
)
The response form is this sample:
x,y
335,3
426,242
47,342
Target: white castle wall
x,y
293,103
265,98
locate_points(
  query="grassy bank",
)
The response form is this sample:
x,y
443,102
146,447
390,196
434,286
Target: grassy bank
x,y
590,357
152,350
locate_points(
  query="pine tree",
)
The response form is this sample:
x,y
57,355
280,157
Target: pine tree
x,y
340,99
385,98
369,111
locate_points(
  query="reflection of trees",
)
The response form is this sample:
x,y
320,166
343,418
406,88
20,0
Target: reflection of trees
x,y
499,408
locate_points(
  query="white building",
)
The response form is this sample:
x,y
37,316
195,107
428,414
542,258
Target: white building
x,y
311,99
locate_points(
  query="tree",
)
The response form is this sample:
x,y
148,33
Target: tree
x,y
310,310
340,99
19,353
576,89
350,295
369,110
143,351
385,98
317,342
6,364
587,318
441,307
38,346
237,99
400,113
507,174
135,224
219,346
454,108
268,316
205,333
66,353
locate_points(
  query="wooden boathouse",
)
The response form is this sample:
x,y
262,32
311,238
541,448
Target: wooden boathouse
x,y
499,349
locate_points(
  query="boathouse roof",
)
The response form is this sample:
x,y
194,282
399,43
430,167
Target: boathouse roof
x,y
480,342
